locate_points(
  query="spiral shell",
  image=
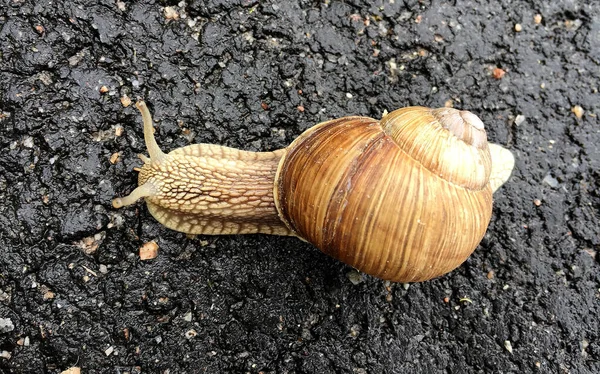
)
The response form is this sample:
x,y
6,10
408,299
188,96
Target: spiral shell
x,y
405,199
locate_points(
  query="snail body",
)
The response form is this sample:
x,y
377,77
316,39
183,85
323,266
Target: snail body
x,y
406,198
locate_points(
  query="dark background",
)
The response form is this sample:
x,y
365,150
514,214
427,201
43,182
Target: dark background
x,y
73,291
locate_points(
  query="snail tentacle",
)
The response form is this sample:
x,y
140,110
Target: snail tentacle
x,y
153,150
145,190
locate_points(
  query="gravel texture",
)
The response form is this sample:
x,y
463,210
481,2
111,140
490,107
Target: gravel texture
x,y
254,75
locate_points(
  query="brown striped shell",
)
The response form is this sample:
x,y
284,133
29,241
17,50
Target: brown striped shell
x,y
405,199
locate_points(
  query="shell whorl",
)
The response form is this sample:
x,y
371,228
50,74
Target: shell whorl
x,y
450,143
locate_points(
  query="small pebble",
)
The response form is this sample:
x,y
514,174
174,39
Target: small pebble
x,y
6,325
537,19
348,95
550,181
103,89
508,346
28,142
578,111
518,27
355,277
114,158
191,334
149,251
48,295
519,119
537,202
109,350
171,13
125,101
498,73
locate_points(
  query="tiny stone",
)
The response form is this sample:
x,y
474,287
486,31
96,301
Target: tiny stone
x,y
355,277
171,13
114,158
4,296
508,346
149,251
28,142
348,95
109,351
26,341
519,119
551,181
6,325
103,89
121,6
5,355
103,269
118,130
125,101
537,202
518,27
48,295
578,111
188,317
498,73
537,19
191,334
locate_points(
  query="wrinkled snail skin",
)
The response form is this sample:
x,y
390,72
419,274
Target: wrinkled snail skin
x,y
407,198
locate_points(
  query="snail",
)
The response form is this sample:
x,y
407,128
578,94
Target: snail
x,y
406,198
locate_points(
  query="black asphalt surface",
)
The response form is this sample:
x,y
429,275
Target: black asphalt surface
x,y
254,75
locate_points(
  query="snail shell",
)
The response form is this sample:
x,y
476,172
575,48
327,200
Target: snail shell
x,y
405,199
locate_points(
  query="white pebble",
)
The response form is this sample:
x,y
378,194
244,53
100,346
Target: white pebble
x,y
519,119
551,181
